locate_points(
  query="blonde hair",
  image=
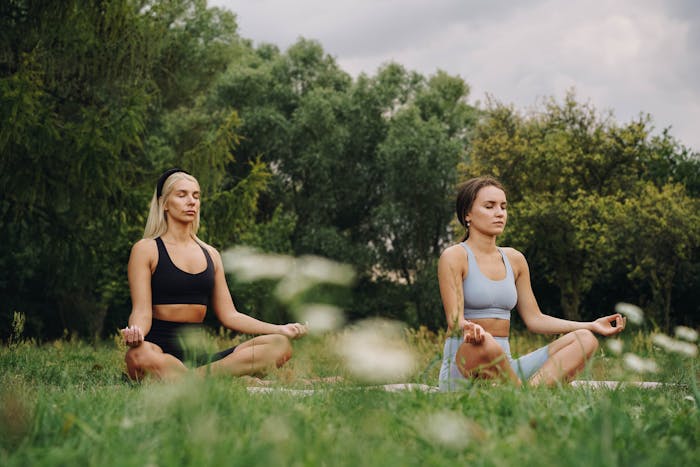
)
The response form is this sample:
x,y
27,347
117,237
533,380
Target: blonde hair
x,y
157,222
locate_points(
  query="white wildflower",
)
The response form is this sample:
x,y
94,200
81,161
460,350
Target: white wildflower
x,y
309,271
276,429
376,351
615,346
292,286
295,275
632,312
639,364
448,429
672,345
249,265
321,317
686,333
126,423
324,270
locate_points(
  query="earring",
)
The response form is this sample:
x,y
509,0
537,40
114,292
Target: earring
x,y
467,223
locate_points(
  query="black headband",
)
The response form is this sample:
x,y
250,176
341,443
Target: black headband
x,y
164,177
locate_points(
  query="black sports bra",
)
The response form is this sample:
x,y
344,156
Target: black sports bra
x,y
171,285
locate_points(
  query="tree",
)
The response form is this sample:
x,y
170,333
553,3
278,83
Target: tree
x,y
352,159
571,243
90,93
418,160
566,168
660,229
72,120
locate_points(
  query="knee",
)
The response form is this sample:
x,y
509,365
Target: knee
x,y
132,358
141,358
471,359
284,349
134,363
492,349
587,340
488,351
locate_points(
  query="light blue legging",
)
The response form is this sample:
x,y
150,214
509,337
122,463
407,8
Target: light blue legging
x,y
527,365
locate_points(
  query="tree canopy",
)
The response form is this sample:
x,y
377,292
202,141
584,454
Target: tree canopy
x,y
296,156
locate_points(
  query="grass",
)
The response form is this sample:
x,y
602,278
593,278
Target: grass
x,y
65,403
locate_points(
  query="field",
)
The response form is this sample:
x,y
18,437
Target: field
x,y
66,403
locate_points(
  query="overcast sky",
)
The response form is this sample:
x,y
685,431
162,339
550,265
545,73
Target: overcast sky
x,y
628,56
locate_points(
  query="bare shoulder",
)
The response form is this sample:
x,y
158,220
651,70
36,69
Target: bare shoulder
x,y
516,258
454,257
145,246
210,249
213,252
513,254
144,253
454,252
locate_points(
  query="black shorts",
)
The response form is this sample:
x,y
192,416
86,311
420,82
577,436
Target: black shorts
x,y
171,337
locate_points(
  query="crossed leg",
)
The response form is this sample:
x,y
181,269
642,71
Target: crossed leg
x,y
253,357
149,359
486,360
567,357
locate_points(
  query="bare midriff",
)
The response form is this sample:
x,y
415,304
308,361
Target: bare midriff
x,y
494,326
180,313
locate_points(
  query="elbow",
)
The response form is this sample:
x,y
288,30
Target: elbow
x,y
230,320
535,321
534,326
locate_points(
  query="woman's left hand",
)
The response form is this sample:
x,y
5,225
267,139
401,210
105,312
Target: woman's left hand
x,y
604,326
293,330
133,336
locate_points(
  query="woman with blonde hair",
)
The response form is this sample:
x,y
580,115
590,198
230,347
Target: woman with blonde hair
x,y
174,277
480,283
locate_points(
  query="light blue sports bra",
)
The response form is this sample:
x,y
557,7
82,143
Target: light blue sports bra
x,y
486,298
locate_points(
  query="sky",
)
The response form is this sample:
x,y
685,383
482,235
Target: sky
x,y
630,57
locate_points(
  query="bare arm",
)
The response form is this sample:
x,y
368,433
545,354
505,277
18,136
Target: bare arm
x,y
232,319
452,269
538,322
450,277
143,256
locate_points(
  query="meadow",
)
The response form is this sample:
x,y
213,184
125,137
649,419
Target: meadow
x,y
67,403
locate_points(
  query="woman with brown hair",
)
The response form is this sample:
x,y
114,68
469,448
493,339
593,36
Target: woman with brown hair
x,y
480,283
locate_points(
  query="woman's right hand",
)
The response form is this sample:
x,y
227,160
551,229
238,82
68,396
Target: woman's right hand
x,y
133,336
473,333
293,330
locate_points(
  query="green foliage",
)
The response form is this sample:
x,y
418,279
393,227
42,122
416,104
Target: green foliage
x,y
367,167
675,163
96,98
664,227
295,156
72,121
570,172
418,159
578,245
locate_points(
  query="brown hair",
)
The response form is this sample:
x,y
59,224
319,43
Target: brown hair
x,y
466,194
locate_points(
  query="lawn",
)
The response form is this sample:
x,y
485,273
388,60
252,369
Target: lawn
x,y
66,403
